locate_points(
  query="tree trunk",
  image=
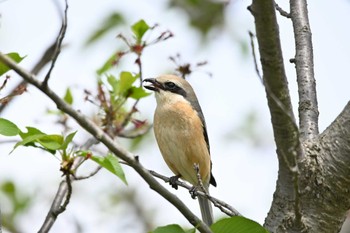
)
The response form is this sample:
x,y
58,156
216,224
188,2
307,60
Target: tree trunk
x,y
313,186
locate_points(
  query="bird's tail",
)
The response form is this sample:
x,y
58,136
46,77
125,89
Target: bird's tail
x,y
206,210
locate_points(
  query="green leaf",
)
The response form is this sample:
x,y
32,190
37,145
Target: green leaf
x,y
114,84
68,98
109,63
109,162
112,21
125,82
7,128
14,56
51,142
34,136
138,93
30,131
237,224
139,29
28,141
173,228
68,140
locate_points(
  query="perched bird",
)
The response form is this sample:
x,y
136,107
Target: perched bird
x,y
181,134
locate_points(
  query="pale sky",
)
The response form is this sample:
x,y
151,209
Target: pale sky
x,y
245,174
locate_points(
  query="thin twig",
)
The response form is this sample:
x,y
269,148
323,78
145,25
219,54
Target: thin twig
x,y
94,172
268,90
117,150
291,161
58,44
63,193
270,93
281,11
224,207
46,58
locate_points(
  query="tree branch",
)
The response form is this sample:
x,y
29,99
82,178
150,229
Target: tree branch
x,y
308,108
281,11
223,206
327,201
46,58
63,193
58,44
98,133
286,134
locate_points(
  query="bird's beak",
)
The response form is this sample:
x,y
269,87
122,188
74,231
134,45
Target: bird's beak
x,y
154,84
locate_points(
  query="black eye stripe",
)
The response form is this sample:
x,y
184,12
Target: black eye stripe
x,y
172,87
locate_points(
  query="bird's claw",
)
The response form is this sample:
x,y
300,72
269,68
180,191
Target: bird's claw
x,y
193,192
173,181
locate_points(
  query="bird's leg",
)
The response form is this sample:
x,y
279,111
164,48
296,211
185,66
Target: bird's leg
x,y
173,180
193,192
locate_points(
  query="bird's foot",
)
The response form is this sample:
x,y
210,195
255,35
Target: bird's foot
x,y
193,192
173,180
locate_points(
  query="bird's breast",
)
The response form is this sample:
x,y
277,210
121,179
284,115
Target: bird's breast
x,y
179,133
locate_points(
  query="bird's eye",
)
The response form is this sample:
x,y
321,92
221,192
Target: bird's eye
x,y
170,85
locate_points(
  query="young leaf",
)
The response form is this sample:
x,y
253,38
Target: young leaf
x,y
68,98
68,140
138,93
51,142
114,84
237,224
139,29
7,128
125,82
110,22
109,162
109,63
28,140
14,56
30,132
173,228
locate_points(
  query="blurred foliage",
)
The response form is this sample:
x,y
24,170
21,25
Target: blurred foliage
x,y
14,203
249,130
15,57
111,22
204,15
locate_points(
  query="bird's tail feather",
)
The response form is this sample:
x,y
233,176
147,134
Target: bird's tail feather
x,y
206,210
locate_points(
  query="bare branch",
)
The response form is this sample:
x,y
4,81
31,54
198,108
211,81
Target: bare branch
x,y
304,62
119,151
58,43
268,90
286,133
94,172
46,58
63,193
224,207
281,11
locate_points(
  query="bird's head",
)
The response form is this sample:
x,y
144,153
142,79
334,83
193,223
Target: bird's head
x,y
170,88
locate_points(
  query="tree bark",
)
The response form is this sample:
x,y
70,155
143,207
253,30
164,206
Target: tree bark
x,y
312,190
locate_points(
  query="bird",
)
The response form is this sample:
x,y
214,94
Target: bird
x,y
181,135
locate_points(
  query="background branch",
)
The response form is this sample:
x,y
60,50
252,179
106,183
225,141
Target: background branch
x,y
286,134
46,58
58,43
63,193
98,133
304,62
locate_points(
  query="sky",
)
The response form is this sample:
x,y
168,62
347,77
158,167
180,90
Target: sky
x,y
245,171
